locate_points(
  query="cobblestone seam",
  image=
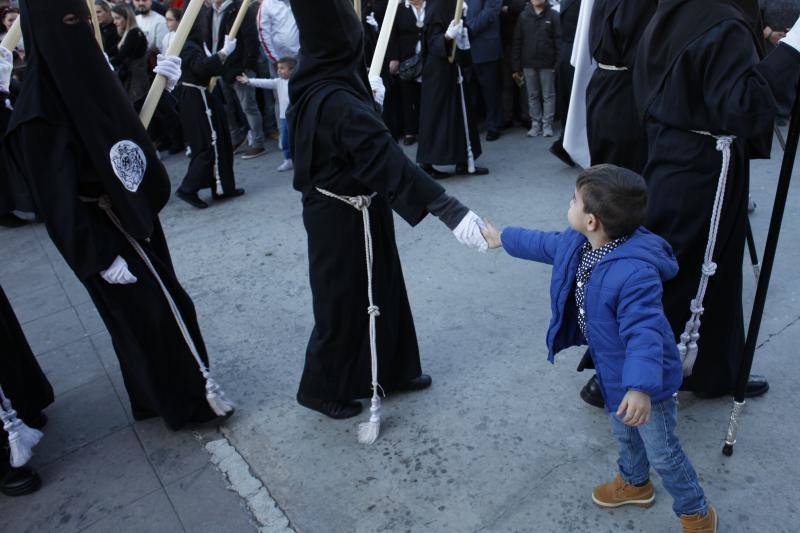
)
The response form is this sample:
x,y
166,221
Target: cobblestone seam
x,y
227,459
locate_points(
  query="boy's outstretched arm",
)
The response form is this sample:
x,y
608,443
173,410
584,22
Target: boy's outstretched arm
x,y
523,243
491,234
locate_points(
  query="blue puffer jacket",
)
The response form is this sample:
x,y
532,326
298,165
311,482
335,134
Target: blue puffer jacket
x,y
632,344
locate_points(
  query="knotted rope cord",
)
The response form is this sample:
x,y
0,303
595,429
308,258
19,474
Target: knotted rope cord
x,y
21,438
202,90
214,394
691,334
362,204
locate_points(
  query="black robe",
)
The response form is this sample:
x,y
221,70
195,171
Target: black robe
x,y
22,379
198,69
355,154
564,69
738,97
441,139
160,375
612,123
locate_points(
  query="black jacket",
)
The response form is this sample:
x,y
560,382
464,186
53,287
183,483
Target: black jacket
x,y
508,20
569,19
405,35
245,57
537,39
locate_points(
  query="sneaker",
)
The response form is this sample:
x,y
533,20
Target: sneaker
x,y
286,165
618,493
534,132
698,523
253,153
547,131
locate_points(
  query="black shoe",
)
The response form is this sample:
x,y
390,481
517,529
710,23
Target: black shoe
x,y
10,220
232,194
461,170
37,422
408,140
592,394
557,149
434,173
333,409
526,124
19,482
756,386
492,135
423,381
191,199
208,420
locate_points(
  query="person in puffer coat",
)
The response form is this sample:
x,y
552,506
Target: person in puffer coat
x,y
606,292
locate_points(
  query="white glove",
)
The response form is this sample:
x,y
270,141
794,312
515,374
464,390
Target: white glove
x,y
793,36
462,40
378,90
118,273
468,232
6,66
371,20
453,30
465,9
170,68
228,47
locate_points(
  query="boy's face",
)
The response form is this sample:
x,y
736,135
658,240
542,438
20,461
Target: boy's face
x,y
284,71
578,219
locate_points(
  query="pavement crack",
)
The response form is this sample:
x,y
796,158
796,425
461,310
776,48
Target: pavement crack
x,y
794,321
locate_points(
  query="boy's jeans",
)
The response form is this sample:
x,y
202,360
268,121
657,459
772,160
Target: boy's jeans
x,y
656,443
285,146
541,83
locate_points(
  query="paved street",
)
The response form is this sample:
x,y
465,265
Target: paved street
x,y
500,443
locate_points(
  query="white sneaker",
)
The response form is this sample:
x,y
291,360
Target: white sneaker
x,y
286,165
548,131
534,132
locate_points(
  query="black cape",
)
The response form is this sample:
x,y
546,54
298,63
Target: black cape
x,y
441,139
160,374
343,147
738,97
614,132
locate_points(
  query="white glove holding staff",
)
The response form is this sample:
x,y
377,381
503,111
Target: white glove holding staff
x,y
468,232
118,273
371,20
793,36
454,30
378,90
6,66
170,68
229,46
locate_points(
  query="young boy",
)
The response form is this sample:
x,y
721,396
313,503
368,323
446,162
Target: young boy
x,y
534,53
281,86
606,292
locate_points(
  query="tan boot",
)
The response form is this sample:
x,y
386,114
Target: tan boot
x,y
618,493
696,523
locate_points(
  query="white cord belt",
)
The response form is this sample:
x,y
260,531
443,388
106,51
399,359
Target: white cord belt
x,y
691,334
603,66
203,90
368,431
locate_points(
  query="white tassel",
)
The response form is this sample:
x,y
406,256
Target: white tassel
x,y
21,438
216,397
219,187
368,431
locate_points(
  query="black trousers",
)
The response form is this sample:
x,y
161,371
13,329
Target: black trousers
x,y
488,77
410,94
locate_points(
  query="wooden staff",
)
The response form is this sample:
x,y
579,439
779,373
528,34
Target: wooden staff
x,y
13,37
95,24
383,38
175,47
237,23
357,7
456,18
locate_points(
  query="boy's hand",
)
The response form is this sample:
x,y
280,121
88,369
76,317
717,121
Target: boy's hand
x,y
491,234
636,407
241,78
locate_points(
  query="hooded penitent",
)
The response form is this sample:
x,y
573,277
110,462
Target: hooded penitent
x,y
68,82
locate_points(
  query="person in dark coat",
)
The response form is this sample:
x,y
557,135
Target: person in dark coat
x,y
107,29
24,383
444,101
99,191
717,42
483,21
613,127
568,14
204,121
405,44
349,167
515,98
130,61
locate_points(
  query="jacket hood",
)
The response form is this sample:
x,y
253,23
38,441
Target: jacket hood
x,y
650,248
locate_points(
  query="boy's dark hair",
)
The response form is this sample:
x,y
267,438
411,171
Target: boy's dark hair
x,y
616,196
292,62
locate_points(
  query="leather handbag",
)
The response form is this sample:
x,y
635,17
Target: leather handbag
x,y
411,68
